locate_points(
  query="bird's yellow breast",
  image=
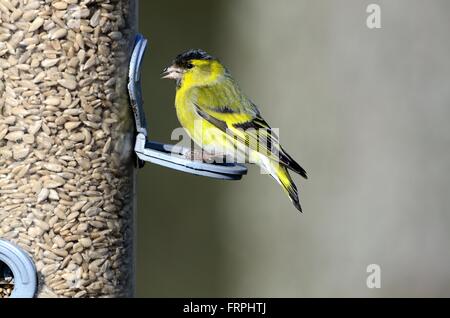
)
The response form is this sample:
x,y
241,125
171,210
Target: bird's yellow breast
x,y
205,73
199,130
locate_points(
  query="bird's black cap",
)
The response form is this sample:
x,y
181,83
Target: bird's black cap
x,y
195,54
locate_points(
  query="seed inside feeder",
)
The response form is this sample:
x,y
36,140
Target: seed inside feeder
x,y
6,281
66,172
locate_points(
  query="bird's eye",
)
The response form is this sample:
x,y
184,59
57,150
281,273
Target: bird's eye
x,y
189,65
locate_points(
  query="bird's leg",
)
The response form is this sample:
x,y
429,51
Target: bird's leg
x,y
201,155
194,155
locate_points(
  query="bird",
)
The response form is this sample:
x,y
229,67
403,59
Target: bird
x,y
221,119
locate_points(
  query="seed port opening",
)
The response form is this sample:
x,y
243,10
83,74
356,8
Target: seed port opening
x,y
6,280
18,277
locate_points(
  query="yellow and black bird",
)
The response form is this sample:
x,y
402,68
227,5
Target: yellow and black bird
x,y
221,119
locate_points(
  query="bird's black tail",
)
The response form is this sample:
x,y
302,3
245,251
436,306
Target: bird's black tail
x,y
291,164
281,174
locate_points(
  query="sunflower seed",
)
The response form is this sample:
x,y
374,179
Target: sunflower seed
x,y
36,24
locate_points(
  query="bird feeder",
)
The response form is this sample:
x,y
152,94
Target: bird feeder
x,y
72,128
67,177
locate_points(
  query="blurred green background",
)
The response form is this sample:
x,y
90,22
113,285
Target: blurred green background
x,y
364,111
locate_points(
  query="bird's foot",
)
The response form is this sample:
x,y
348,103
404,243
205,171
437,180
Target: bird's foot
x,y
200,155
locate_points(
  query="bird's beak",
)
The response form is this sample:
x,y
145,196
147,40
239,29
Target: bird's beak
x,y
172,72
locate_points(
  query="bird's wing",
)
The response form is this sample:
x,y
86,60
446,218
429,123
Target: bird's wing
x,y
227,109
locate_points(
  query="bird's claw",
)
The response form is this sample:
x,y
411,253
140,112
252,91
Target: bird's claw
x,y
200,155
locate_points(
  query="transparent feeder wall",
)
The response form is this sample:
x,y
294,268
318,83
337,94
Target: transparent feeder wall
x,y
66,143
